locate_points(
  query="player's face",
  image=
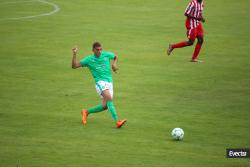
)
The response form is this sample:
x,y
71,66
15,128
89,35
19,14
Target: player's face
x,y
97,51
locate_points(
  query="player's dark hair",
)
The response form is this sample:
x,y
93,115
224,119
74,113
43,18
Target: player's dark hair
x,y
96,44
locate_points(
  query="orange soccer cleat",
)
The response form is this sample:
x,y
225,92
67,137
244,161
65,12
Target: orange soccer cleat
x,y
84,116
120,123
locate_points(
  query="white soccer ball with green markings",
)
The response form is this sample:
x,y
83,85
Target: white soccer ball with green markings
x,y
177,134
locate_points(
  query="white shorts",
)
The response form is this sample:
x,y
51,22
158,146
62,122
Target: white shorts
x,y
103,85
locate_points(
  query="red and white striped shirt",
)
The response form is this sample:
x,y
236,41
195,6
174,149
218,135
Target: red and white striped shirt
x,y
194,9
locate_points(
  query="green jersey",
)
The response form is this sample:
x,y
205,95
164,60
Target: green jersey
x,y
99,66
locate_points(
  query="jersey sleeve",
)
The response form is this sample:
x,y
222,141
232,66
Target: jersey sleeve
x,y
110,55
84,62
189,8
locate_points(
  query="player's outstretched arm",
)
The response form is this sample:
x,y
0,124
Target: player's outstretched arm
x,y
75,63
114,64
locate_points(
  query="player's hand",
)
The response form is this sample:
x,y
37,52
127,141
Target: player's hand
x,y
75,50
202,20
114,67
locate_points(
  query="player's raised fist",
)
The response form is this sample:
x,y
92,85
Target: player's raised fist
x,y
74,50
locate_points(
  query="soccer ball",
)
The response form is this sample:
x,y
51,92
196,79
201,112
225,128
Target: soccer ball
x,y
177,133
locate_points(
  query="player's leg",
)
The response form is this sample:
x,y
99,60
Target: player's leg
x,y
198,44
197,49
108,101
97,108
189,42
182,44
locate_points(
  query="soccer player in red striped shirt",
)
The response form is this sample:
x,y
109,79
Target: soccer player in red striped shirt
x,y
194,27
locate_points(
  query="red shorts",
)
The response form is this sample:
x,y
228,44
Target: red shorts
x,y
195,32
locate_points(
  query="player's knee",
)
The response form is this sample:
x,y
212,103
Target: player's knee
x,y
105,107
200,40
190,42
108,97
104,104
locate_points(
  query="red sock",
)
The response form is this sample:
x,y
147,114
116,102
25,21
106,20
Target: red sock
x,y
180,44
196,51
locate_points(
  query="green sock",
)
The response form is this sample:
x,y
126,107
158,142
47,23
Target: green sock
x,y
112,109
95,109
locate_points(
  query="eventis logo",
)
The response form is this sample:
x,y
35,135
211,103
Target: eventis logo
x,y
238,153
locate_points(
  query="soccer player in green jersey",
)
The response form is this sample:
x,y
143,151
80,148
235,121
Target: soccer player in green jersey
x,y
100,68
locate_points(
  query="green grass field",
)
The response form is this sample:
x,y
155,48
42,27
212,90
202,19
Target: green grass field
x,y
41,96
